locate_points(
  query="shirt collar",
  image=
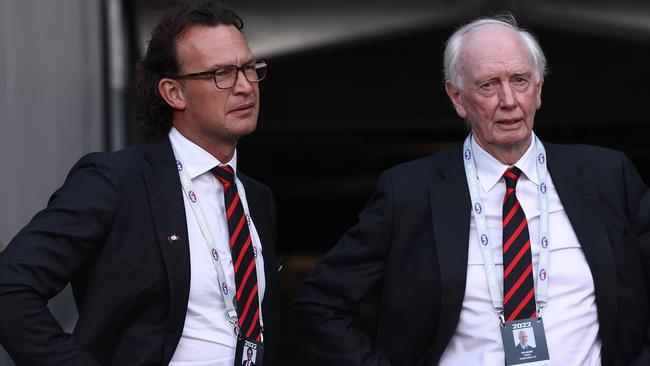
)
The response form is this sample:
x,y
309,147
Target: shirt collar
x,y
489,170
196,161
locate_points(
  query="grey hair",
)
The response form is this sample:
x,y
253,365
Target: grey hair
x,y
453,45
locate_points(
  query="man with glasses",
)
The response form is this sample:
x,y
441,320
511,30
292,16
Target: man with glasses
x,y
169,247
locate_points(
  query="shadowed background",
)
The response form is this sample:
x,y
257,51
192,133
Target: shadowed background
x,y
353,88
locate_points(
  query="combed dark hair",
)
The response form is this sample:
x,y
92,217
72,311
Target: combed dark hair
x,y
161,59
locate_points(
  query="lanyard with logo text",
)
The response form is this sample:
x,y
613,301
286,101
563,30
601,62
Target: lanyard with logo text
x,y
228,295
484,240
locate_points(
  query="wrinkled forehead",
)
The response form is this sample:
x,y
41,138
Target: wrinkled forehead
x,y
493,43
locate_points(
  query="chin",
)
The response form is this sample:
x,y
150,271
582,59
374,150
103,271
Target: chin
x,y
515,137
245,128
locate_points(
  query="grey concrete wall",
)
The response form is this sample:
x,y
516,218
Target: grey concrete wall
x,y
51,106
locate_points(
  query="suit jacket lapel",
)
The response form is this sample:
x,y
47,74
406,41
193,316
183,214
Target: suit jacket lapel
x,y
168,211
256,200
264,224
580,200
450,211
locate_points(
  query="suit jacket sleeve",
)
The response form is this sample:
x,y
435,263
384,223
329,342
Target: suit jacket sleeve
x,y
53,248
639,204
326,306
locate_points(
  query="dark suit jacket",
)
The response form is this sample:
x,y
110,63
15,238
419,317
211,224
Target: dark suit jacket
x,y
106,230
411,244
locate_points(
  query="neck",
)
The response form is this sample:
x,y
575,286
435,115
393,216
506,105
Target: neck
x,y
508,155
222,150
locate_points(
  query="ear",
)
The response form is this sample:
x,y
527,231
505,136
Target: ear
x,y
539,92
172,92
454,94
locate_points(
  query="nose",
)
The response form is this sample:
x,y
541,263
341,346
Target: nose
x,y
507,97
242,85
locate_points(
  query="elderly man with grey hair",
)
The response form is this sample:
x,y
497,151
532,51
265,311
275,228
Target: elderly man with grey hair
x,y
502,231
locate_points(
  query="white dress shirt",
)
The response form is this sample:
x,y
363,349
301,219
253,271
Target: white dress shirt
x,y
208,338
570,318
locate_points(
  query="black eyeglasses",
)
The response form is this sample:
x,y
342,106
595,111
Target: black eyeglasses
x,y
225,77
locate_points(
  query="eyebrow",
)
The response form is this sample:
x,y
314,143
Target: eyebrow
x,y
526,74
218,66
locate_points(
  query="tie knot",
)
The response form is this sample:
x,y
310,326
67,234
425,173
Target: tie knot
x,y
511,177
224,173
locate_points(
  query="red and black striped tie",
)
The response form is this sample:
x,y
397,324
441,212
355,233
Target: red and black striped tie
x,y
243,255
518,290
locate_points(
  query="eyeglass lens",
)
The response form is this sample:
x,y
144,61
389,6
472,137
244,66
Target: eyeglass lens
x,y
226,77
